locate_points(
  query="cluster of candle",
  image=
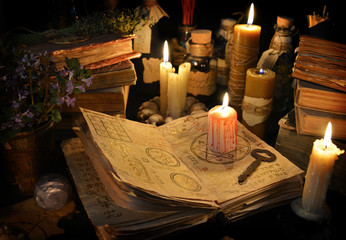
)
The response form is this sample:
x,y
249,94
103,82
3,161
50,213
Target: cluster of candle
x,y
222,119
173,86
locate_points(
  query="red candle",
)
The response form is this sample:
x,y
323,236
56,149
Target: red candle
x,y
222,128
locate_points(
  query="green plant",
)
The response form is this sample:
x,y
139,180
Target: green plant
x,y
32,89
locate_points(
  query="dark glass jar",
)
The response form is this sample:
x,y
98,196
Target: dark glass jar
x,y
202,79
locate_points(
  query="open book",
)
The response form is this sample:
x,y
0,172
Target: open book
x,y
169,172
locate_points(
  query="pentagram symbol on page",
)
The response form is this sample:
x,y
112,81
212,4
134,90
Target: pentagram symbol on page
x,y
199,147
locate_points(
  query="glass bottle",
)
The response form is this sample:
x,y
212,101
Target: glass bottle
x,y
280,58
202,80
222,50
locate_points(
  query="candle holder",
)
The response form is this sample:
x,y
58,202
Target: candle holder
x,y
322,214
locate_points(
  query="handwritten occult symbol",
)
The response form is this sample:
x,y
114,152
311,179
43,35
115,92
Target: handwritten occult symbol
x,y
110,128
186,182
163,157
199,147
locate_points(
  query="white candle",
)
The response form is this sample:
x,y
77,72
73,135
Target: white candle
x,y
165,69
322,158
177,90
222,128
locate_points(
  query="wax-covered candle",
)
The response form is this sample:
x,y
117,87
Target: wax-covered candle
x,y
222,128
258,97
322,158
245,51
177,90
165,69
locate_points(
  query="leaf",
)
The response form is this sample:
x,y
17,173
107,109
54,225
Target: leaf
x,y
56,116
72,63
36,107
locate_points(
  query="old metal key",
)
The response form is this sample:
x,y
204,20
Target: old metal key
x,y
253,166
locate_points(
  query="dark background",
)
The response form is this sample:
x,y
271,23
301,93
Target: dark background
x,y
40,15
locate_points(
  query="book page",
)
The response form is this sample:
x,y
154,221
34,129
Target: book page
x,y
141,157
219,172
101,209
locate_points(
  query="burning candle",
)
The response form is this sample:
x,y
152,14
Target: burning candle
x,y
322,158
165,69
244,55
222,128
258,99
247,34
177,90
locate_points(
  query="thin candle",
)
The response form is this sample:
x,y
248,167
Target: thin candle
x,y
165,69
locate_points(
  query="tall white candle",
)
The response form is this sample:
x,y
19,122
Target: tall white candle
x,y
177,90
165,69
322,158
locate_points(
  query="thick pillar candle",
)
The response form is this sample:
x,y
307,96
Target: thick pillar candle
x,y
244,55
322,158
165,69
222,128
258,98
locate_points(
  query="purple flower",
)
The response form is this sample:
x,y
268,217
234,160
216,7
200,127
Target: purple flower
x,y
60,100
55,86
15,104
17,118
25,58
22,94
81,87
70,101
87,81
20,71
69,87
62,73
28,114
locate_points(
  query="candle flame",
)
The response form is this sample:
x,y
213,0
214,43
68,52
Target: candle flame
x,y
261,71
328,135
225,100
251,15
165,52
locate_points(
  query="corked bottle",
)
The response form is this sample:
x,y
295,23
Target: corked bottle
x,y
222,50
202,80
280,58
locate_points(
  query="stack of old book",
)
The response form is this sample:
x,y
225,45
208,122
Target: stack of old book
x,y
109,58
320,70
140,181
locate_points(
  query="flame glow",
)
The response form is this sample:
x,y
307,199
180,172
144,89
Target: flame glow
x,y
251,15
261,71
328,135
225,100
165,52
